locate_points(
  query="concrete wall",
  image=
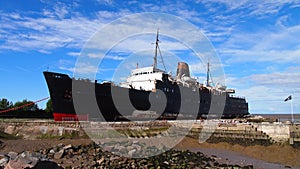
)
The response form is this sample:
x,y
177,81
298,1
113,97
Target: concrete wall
x,y
277,131
34,130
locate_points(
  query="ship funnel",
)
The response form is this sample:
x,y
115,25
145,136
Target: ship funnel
x,y
183,69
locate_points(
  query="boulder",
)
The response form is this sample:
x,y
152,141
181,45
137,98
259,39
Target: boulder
x,y
59,154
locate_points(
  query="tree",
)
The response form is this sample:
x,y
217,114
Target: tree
x,y
5,104
28,105
49,108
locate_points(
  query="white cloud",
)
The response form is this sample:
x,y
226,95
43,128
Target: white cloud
x,y
278,79
95,55
111,15
256,7
74,30
263,99
268,46
45,32
266,92
82,70
114,57
73,53
101,55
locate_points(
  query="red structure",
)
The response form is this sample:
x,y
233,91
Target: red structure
x,y
70,117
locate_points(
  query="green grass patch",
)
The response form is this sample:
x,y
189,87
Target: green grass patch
x,y
7,136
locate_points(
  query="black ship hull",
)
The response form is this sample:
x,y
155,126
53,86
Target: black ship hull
x,y
74,99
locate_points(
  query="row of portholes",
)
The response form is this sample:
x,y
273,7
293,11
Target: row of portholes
x,y
142,73
57,76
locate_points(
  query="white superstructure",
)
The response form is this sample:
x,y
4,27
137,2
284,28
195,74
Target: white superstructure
x,y
143,78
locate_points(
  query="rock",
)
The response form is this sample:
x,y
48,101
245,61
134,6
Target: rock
x,y
60,145
24,160
3,161
137,147
191,163
100,161
135,142
51,151
17,165
129,148
60,154
12,155
175,154
67,147
113,158
131,152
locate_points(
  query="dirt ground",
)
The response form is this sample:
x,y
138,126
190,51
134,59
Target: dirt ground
x,y
285,155
21,145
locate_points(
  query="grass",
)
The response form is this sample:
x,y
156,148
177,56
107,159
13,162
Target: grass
x,y
6,136
72,135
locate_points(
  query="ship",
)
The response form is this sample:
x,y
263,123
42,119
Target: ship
x,y
149,93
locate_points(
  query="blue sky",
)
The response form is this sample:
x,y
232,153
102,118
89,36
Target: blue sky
x,y
257,42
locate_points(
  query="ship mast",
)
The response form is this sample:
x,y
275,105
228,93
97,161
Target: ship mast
x,y
156,48
207,76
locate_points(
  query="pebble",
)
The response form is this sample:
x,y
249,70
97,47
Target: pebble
x,y
59,155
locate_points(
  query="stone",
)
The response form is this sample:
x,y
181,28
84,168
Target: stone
x,y
24,160
3,161
60,146
131,152
67,147
129,148
100,161
137,147
12,155
175,154
113,158
17,165
59,155
29,158
135,142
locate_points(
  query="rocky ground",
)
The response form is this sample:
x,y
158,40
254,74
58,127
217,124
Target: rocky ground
x,y
94,156
83,153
